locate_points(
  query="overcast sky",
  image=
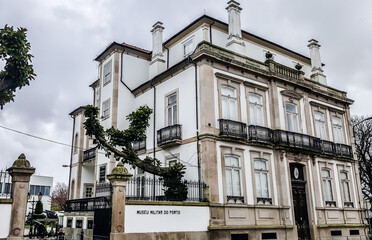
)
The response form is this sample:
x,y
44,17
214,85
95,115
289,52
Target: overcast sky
x,y
67,35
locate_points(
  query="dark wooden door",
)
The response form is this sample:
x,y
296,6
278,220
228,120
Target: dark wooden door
x,y
299,201
102,224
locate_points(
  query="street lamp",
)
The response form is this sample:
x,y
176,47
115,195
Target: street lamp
x,y
31,219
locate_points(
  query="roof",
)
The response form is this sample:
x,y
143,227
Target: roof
x,y
77,111
136,48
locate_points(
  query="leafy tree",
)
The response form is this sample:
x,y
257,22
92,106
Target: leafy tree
x,y
59,197
362,128
18,71
119,144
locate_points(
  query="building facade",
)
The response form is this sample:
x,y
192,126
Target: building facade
x,y
253,120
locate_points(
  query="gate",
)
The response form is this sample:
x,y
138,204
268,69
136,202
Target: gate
x,y
299,201
102,224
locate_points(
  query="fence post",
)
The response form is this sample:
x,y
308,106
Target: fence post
x,y
118,178
21,172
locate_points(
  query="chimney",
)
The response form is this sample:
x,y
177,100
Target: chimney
x,y
234,40
157,64
316,63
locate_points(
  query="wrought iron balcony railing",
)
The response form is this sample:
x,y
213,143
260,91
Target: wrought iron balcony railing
x,y
139,145
297,140
344,150
89,154
236,199
87,204
169,134
233,128
261,134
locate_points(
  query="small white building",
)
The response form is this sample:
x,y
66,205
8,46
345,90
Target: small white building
x,y
43,185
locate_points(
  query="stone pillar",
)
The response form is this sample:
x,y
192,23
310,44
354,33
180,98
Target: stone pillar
x,y
118,178
21,172
235,41
157,64
316,64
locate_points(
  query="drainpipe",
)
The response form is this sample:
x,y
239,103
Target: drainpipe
x,y
121,71
197,124
210,31
72,147
154,133
167,56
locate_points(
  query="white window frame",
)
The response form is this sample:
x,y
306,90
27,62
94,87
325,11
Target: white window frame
x,y
320,125
338,133
259,175
88,193
229,179
292,118
106,111
171,116
107,70
188,47
345,186
328,191
256,110
229,104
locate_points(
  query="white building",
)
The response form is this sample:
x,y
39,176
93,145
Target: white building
x,y
43,185
254,120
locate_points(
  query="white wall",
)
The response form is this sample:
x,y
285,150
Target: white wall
x,y
165,218
5,210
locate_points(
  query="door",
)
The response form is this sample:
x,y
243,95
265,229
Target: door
x,y
102,224
299,201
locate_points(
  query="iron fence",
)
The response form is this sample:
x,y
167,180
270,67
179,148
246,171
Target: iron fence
x,y
87,204
5,185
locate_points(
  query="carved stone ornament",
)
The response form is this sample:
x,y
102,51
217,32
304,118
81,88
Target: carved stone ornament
x,y
16,231
21,166
119,172
21,162
291,94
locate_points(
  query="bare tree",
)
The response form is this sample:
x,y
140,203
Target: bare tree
x,y
59,197
362,128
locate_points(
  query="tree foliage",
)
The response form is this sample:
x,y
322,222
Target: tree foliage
x,y
363,138
119,144
18,70
59,197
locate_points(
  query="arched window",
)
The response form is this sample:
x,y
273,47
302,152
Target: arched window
x,y
320,126
256,109
76,141
229,103
72,189
337,130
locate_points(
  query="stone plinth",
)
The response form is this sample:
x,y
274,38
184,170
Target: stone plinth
x,y
118,178
21,172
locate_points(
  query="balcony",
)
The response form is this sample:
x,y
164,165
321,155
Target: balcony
x,y
233,128
89,154
171,135
260,134
139,145
344,150
296,140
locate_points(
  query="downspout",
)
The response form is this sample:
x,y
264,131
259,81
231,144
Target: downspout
x,y
121,71
197,125
210,31
72,147
154,134
167,56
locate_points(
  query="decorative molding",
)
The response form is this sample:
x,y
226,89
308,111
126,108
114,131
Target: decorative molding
x,y
291,94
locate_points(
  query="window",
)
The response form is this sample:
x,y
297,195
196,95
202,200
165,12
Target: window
x,y
47,191
36,189
102,173
262,180
345,185
336,233
72,189
107,73
271,235
76,140
337,130
106,109
233,171
1,187
7,188
69,222
90,224
292,118
88,191
79,223
229,103
256,109
327,187
188,47
239,236
97,96
320,127
172,109
172,162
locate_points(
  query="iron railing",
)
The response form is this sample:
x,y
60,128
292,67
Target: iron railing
x,y
89,154
236,199
233,128
87,204
344,150
169,134
139,145
5,185
148,189
297,140
260,134
103,189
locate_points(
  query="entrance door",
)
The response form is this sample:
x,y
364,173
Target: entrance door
x,y
102,224
299,201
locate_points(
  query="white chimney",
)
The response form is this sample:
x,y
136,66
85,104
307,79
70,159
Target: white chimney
x,y
157,64
316,63
234,40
